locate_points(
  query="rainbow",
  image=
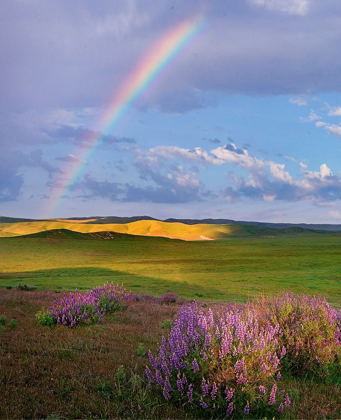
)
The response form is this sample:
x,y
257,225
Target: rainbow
x,y
150,66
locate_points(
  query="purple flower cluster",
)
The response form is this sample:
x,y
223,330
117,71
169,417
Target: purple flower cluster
x,y
212,361
311,329
91,305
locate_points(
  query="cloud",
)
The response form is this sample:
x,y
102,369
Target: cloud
x,y
214,141
84,137
334,129
196,155
334,111
59,57
266,180
68,158
11,178
312,117
320,124
292,7
300,101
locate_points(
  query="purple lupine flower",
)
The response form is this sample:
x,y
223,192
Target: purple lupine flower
x,y
166,394
168,386
229,410
280,408
164,368
282,352
205,387
262,389
247,409
279,376
241,380
203,404
195,366
272,398
214,391
158,377
229,394
190,393
287,401
180,386
149,375
265,368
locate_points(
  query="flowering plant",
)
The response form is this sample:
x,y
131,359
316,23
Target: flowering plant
x,y
225,363
92,305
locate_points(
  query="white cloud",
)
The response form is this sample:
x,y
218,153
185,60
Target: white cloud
x,y
312,117
278,172
335,111
196,155
240,158
334,129
292,7
320,124
300,101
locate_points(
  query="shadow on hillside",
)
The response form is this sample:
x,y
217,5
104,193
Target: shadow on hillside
x,y
67,279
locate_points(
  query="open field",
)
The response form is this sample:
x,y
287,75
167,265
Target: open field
x,y
234,269
61,373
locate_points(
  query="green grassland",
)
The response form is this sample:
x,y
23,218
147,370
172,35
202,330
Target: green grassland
x,y
237,268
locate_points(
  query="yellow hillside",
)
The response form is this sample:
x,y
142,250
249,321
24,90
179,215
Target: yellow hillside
x,y
141,227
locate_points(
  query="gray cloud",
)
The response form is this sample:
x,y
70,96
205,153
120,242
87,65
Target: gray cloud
x,y
52,55
83,137
11,163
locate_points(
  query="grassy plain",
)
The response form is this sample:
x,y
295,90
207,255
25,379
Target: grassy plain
x,y
95,371
233,269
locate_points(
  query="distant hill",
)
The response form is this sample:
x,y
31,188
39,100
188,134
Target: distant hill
x,y
314,226
4,219
70,234
109,219
124,220
71,228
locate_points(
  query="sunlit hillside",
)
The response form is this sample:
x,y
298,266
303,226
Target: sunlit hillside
x,y
198,232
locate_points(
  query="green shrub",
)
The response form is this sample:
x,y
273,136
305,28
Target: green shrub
x,y
166,324
141,350
8,287
13,323
45,318
3,320
2,329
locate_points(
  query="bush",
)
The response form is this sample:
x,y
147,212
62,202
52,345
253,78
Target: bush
x,y
311,330
25,287
89,306
166,324
168,298
3,320
8,287
45,318
225,364
141,350
13,323
2,329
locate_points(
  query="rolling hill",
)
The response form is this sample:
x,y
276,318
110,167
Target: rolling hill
x,y
174,230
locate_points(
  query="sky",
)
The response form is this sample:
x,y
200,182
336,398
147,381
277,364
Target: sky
x,y
239,118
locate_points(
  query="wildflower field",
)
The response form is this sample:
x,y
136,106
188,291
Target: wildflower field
x,y
227,329
107,353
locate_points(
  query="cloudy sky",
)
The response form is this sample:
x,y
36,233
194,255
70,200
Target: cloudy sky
x,y
243,122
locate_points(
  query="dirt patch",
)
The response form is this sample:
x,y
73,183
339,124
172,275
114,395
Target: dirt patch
x,y
10,275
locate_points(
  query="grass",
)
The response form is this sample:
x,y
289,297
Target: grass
x,y
97,371
233,269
